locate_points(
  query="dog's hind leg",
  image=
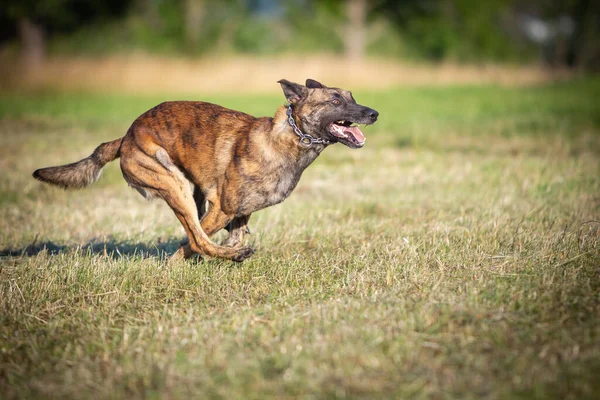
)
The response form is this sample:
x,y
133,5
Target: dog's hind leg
x,y
159,176
200,201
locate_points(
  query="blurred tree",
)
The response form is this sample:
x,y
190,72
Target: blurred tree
x,y
567,33
194,14
33,42
355,29
459,29
36,19
586,41
575,28
148,10
351,17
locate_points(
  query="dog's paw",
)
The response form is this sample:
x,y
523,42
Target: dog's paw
x,y
243,253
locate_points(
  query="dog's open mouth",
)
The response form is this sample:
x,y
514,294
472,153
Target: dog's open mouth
x,y
349,131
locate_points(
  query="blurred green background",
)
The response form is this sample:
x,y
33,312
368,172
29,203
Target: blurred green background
x,y
555,33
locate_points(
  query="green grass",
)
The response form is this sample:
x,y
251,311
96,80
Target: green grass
x,y
455,256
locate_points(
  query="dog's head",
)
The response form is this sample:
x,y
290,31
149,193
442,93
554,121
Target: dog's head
x,y
328,113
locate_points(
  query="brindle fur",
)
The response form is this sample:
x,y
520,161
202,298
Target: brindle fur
x,y
193,154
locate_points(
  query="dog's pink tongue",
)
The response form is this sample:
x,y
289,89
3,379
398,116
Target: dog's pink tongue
x,y
356,132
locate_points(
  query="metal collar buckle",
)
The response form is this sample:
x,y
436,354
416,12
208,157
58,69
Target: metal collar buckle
x,y
305,141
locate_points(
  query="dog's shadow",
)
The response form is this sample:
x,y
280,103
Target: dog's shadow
x,y
115,249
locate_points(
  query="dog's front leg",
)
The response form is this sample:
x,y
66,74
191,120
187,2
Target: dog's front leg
x,y
238,228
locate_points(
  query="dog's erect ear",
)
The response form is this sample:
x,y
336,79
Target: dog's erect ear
x,y
312,84
293,92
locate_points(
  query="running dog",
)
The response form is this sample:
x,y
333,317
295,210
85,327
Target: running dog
x,y
215,166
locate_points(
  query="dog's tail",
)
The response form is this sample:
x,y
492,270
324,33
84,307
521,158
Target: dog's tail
x,y
82,173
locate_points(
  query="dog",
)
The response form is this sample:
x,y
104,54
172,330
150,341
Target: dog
x,y
215,166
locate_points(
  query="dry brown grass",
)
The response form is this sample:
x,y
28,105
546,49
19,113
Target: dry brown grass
x,y
455,256
152,74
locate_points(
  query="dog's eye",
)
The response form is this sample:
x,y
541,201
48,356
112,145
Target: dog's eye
x,y
337,102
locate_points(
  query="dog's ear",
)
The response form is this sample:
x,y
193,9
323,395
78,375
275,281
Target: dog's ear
x,y
293,92
312,84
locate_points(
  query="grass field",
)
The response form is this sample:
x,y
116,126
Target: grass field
x,y
455,256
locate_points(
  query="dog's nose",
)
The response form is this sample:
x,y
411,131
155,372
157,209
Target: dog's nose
x,y
373,115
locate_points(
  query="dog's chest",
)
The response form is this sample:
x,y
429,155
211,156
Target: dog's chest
x,y
268,189
274,184
281,187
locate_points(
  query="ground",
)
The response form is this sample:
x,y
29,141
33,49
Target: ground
x,y
455,256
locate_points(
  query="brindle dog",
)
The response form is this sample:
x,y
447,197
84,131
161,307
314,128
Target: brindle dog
x,y
190,153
